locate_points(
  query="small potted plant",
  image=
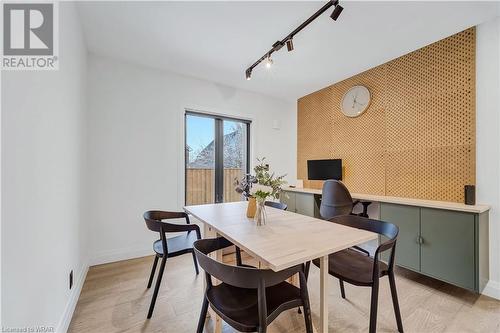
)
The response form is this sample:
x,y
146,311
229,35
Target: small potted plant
x,y
258,188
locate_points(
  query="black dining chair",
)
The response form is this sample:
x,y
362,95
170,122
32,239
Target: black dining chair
x,y
248,299
336,200
169,247
360,269
277,205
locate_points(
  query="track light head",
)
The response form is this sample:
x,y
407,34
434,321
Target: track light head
x,y
269,62
248,74
289,45
336,12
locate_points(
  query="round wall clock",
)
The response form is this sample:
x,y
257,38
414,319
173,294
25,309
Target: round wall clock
x,y
355,101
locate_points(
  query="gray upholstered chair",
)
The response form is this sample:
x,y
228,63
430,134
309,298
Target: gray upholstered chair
x,y
335,200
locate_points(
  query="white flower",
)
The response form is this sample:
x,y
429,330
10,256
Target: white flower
x,y
262,188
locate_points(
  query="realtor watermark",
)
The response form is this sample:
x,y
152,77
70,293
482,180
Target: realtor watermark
x,y
39,329
30,34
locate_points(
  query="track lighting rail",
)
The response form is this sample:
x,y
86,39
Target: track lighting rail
x,y
288,40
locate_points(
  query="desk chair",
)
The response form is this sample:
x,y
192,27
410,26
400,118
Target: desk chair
x,y
336,200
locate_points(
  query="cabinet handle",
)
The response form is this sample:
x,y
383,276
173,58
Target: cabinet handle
x,y
420,240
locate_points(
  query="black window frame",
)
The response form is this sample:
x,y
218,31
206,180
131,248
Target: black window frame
x,y
219,150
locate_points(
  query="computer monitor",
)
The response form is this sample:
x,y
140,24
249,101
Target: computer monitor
x,y
324,169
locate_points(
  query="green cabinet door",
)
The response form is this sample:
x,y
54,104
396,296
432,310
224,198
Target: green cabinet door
x,y
407,218
447,249
288,198
304,204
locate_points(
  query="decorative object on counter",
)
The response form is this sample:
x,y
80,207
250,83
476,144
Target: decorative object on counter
x,y
470,194
258,188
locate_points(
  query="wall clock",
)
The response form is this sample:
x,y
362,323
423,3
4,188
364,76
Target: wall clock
x,y
355,101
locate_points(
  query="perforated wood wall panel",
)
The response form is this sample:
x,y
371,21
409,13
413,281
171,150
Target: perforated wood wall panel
x,y
417,139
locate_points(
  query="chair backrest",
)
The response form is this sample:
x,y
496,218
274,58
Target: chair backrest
x,y
278,205
154,221
386,229
335,200
237,276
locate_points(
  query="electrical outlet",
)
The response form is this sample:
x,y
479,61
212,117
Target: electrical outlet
x,y
71,279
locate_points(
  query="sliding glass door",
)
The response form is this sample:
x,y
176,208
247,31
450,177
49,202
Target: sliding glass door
x,y
217,152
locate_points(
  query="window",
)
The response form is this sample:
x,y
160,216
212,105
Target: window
x,y
217,152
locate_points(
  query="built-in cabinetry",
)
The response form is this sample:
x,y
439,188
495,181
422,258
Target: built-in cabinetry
x,y
448,243
301,203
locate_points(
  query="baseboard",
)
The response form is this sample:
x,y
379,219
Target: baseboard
x,y
63,325
120,254
492,289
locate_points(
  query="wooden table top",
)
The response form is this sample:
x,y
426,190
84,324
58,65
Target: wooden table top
x,y
286,240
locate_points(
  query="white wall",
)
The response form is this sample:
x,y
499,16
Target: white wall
x,y
488,138
43,236
136,146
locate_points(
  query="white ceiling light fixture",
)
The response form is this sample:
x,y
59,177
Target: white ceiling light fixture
x,y
269,62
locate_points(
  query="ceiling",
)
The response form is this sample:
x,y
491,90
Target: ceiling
x,y
217,41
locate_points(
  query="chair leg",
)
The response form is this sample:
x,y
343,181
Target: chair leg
x,y
203,315
306,305
392,283
342,290
157,286
153,270
306,271
195,263
238,256
373,308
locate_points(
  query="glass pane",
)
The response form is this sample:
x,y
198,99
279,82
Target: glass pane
x,y
235,157
200,160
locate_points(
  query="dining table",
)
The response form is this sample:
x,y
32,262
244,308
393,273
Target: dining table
x,y
287,239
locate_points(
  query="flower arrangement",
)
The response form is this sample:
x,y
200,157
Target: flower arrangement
x,y
258,188
261,186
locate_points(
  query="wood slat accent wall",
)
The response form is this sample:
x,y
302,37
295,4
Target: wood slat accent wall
x,y
416,140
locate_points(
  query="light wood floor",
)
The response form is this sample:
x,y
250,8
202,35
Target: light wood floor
x,y
115,299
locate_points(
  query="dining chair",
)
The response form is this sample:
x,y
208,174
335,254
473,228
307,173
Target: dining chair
x,y
248,299
169,247
274,204
360,269
336,200
277,205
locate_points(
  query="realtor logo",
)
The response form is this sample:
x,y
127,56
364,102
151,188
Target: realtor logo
x,y
29,31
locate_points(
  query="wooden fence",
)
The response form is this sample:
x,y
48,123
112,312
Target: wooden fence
x,y
200,186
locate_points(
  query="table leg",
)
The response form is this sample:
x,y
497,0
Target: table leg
x,y
323,283
216,318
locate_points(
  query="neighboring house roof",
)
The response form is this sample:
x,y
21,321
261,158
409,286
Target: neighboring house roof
x,y
233,154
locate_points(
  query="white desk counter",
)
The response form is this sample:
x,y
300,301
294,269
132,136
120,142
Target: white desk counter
x,y
404,201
